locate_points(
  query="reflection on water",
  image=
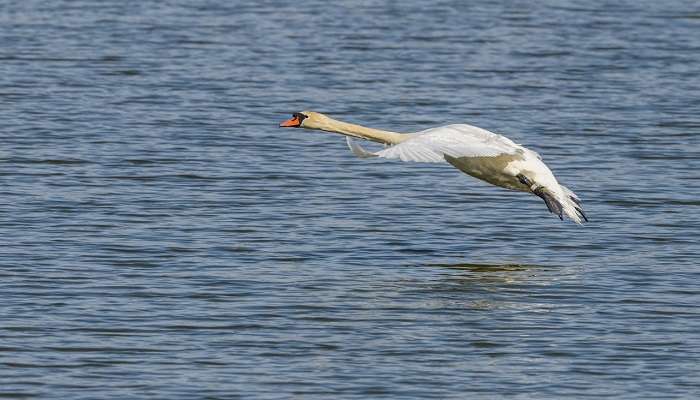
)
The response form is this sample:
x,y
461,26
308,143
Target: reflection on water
x,y
488,267
483,286
507,273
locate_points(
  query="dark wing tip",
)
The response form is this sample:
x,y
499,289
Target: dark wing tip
x,y
575,200
580,212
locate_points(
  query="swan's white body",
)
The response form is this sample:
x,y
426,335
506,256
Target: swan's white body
x,y
474,151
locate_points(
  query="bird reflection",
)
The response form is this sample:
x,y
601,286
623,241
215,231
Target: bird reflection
x,y
488,267
482,286
507,273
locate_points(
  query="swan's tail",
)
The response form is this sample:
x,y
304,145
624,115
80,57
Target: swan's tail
x,y
564,202
575,203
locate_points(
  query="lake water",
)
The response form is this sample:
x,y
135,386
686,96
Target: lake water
x,y
162,238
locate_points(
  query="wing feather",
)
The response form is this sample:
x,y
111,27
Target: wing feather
x,y
453,140
358,150
432,145
412,150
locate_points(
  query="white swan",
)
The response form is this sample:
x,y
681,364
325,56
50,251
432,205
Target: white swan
x,y
477,152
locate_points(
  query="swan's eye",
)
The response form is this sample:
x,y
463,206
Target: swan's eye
x,y
299,116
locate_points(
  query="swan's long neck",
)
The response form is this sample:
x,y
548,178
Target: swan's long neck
x,y
344,128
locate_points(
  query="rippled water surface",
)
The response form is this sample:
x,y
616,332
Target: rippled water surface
x,y
162,238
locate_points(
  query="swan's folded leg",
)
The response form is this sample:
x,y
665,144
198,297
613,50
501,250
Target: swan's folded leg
x,y
554,206
552,203
524,180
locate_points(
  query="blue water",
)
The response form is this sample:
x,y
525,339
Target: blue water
x,y
162,238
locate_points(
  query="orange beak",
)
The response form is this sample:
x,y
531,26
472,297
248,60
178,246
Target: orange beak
x,y
292,122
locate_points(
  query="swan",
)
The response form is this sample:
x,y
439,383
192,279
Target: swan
x,y
475,151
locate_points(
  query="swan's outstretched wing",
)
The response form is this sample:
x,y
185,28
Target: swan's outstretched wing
x,y
434,144
470,150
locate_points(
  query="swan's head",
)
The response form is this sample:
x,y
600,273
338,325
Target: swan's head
x,y
306,119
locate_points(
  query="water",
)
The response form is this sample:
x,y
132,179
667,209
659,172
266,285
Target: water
x,y
162,238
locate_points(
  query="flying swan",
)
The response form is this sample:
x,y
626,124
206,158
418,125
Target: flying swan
x,y
477,152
